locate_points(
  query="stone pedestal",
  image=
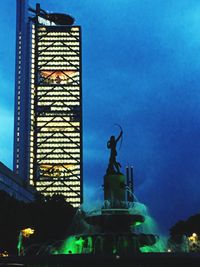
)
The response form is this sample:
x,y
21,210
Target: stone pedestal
x,y
115,188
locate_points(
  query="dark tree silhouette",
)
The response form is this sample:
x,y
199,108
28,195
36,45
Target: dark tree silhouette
x,y
50,218
187,227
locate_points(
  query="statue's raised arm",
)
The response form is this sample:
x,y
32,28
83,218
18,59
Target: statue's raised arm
x,y
120,136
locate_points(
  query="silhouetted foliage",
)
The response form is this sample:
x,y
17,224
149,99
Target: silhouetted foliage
x,y
187,227
49,216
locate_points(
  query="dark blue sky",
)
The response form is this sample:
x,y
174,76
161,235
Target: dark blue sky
x,y
141,69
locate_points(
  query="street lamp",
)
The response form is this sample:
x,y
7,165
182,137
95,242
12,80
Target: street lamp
x,y
24,233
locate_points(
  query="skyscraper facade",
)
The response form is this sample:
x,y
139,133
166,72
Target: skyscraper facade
x,y
48,104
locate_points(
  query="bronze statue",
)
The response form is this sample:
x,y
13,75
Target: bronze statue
x,y
113,166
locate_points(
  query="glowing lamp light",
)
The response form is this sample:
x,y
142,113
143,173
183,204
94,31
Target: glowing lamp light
x,y
194,235
193,238
169,250
27,232
4,254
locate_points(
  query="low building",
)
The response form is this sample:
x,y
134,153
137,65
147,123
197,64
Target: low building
x,y
14,185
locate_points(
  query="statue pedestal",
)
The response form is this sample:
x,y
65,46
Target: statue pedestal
x,y
115,188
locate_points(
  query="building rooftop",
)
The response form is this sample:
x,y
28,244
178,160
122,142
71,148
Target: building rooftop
x,y
57,18
14,177
60,19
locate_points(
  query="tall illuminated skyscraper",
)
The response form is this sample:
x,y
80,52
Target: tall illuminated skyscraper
x,y
48,103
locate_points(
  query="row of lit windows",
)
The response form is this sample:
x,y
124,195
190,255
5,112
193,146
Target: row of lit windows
x,y
46,106
66,79
58,123
40,58
58,88
71,66
66,116
57,119
75,205
64,149
53,190
72,51
65,97
53,176
43,130
58,142
74,59
61,63
56,42
64,39
72,200
56,102
54,140
59,38
60,111
63,168
58,46
73,136
57,129
67,50
59,161
18,103
59,34
62,174
58,150
51,137
44,176
49,68
66,156
61,47
58,183
50,143
58,145
62,86
51,125
72,29
48,127
55,93
32,106
63,189
56,112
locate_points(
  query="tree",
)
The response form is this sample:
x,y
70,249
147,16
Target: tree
x,y
50,217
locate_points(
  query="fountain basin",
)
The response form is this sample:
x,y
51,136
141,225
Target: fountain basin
x,y
115,221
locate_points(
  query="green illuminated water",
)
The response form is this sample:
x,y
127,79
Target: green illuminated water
x,y
19,244
159,246
75,245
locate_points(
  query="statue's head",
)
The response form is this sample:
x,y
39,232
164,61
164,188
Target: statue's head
x,y
112,138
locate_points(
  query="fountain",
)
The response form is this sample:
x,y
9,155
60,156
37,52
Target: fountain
x,y
111,233
110,228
